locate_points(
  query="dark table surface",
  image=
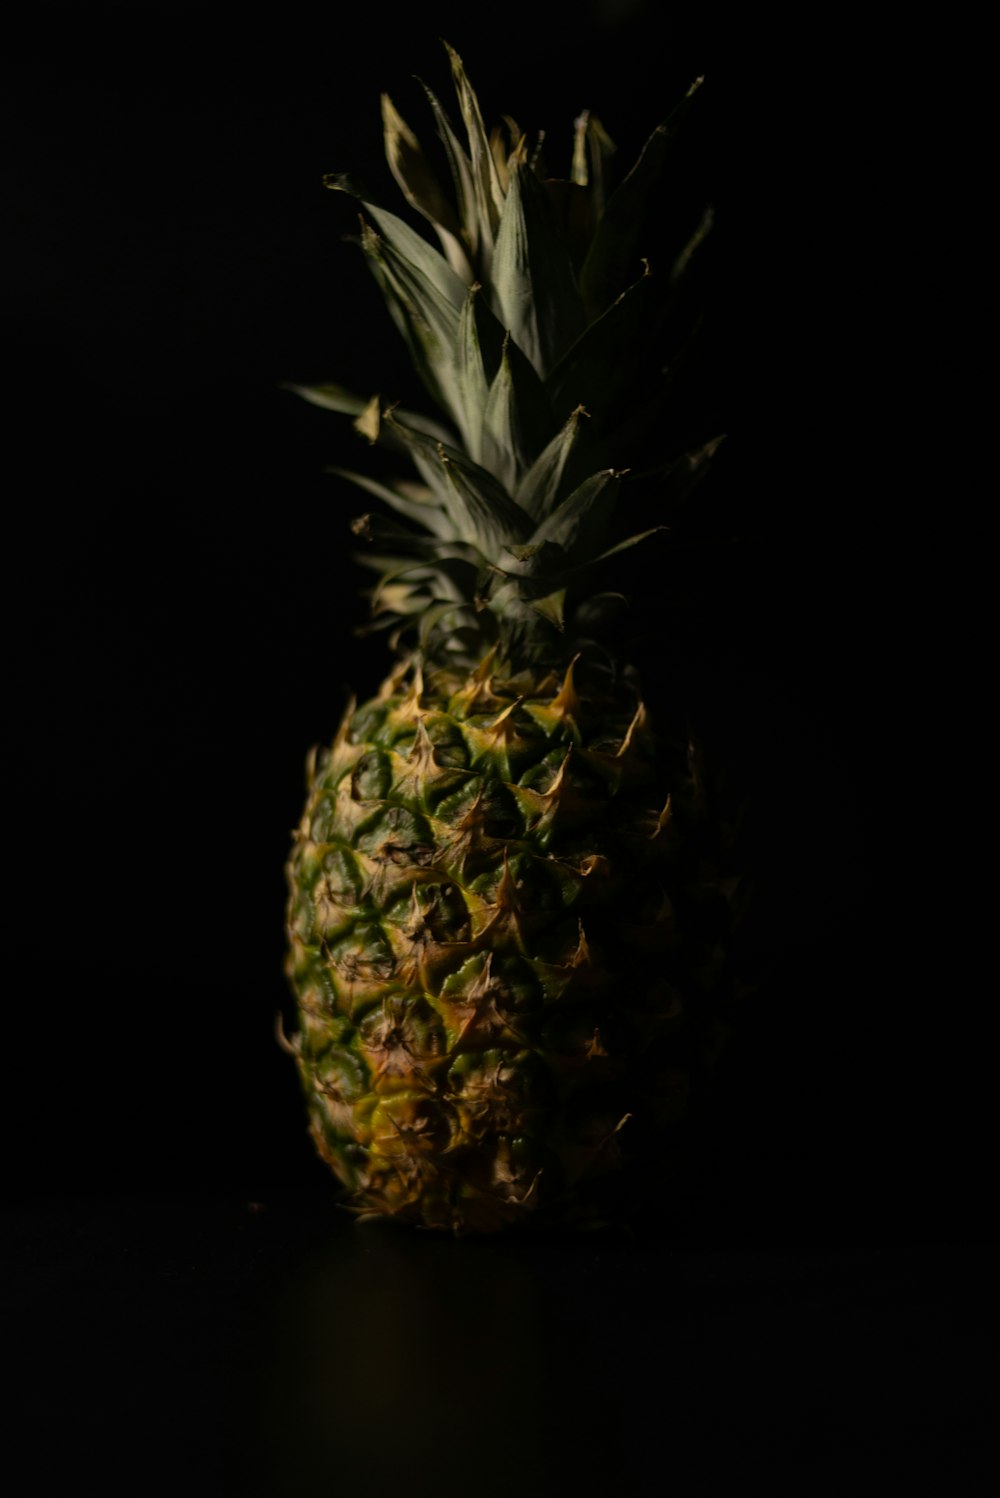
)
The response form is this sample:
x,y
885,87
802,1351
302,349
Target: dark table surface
x,y
209,1344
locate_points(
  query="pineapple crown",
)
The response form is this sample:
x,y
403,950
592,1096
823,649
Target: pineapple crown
x,y
529,330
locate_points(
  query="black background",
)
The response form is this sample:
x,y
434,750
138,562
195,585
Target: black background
x,y
182,598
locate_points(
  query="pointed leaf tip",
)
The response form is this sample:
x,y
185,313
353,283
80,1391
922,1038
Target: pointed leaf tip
x,y
368,423
419,185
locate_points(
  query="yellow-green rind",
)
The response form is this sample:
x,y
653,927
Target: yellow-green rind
x,y
502,941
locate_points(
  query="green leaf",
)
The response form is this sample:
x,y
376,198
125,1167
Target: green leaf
x,y
625,545
552,606
532,277
685,473
579,523
592,147
461,176
565,462
423,293
330,397
477,356
481,513
698,238
610,263
382,531
515,424
421,188
407,244
453,578
602,360
427,514
597,610
424,327
519,606
487,189
337,398
478,519
436,615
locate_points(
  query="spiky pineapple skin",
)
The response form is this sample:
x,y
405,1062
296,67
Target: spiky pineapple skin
x,y
503,940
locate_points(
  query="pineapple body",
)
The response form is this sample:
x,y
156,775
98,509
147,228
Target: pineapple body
x,y
499,938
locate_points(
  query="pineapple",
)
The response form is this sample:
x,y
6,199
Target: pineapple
x,y
506,939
